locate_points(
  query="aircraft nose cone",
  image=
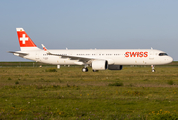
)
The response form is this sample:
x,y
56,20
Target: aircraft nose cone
x,y
170,59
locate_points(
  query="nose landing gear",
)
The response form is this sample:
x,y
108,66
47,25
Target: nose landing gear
x,y
153,68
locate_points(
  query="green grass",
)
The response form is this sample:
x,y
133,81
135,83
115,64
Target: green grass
x,y
68,93
51,70
116,84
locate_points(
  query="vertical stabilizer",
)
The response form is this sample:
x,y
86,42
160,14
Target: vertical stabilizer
x,y
25,41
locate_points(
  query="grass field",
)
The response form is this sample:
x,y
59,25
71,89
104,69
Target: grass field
x,y
67,93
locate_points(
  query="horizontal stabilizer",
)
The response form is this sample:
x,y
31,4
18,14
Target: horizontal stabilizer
x,y
18,53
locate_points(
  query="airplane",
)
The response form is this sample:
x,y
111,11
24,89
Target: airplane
x,y
97,59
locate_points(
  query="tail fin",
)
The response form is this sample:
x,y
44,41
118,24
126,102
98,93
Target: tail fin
x,y
25,41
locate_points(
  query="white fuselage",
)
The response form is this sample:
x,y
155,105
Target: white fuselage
x,y
113,56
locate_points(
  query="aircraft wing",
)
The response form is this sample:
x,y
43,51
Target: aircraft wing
x,y
85,60
79,58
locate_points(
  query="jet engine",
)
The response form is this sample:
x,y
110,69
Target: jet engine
x,y
99,64
115,67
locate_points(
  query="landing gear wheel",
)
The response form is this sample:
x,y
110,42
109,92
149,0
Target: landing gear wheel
x,y
84,69
95,70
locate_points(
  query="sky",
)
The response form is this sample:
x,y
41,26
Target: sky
x,y
90,24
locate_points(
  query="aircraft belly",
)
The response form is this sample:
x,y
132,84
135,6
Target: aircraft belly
x,y
31,56
57,61
65,62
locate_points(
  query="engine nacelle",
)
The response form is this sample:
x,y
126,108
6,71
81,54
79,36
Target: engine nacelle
x,y
100,65
115,67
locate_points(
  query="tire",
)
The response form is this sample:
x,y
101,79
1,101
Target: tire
x,y
84,69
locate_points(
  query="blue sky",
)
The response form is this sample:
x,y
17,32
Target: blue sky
x,y
79,24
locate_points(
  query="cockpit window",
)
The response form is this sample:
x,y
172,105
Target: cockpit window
x,y
163,54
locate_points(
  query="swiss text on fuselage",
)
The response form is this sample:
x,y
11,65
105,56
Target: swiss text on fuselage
x,y
136,54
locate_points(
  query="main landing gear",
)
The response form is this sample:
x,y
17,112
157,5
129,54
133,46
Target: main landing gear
x,y
153,68
85,69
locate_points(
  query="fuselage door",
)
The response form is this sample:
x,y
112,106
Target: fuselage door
x,y
151,55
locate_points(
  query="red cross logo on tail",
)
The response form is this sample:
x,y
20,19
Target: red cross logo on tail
x,y
24,39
